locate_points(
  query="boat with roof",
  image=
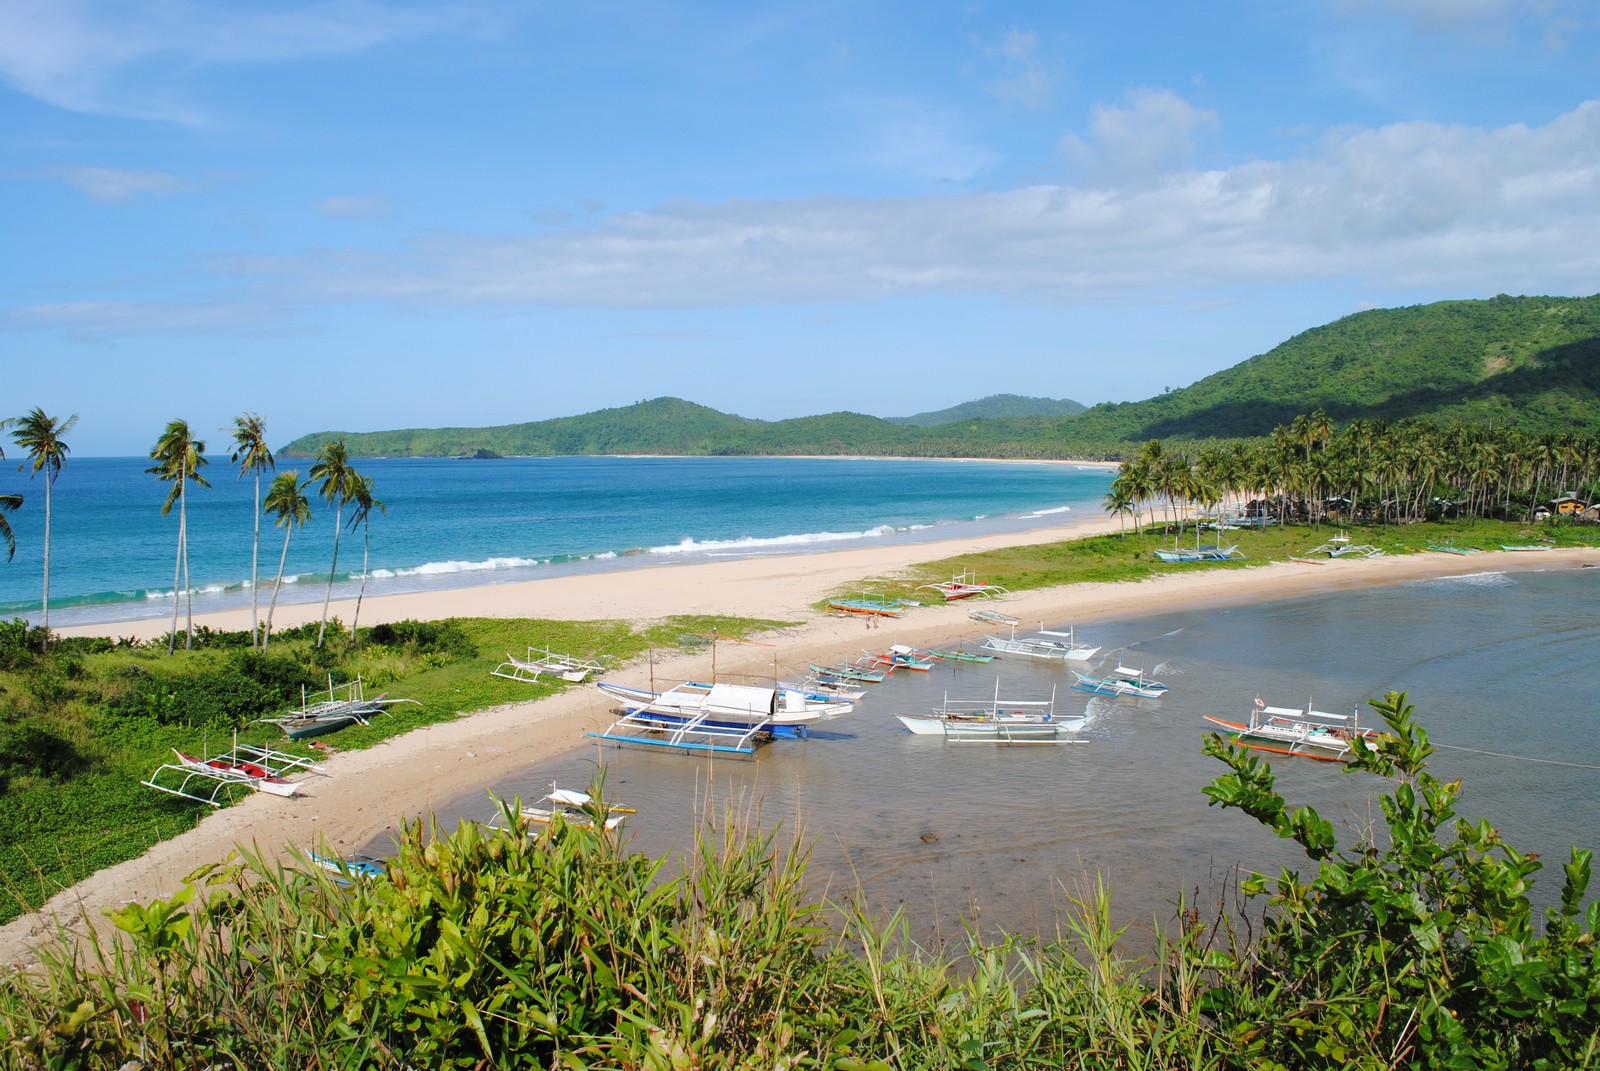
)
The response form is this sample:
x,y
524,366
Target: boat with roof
x,y
1045,645
1315,734
996,721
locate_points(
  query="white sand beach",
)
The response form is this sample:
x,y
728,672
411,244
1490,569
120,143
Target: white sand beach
x,y
366,792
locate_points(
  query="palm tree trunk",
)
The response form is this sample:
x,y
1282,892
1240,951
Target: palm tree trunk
x,y
333,570
255,556
177,573
273,605
188,592
366,547
46,599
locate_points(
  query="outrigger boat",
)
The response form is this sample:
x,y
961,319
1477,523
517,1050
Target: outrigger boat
x,y
965,586
961,656
1315,734
993,617
1124,681
822,686
873,605
544,662
570,806
245,766
1339,546
694,716
1045,644
348,869
338,710
1525,546
899,656
1210,552
996,721
859,672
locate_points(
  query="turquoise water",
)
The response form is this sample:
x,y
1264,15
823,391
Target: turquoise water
x,y
1495,662
453,523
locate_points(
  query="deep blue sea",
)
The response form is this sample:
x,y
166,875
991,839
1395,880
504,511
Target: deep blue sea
x,y
457,523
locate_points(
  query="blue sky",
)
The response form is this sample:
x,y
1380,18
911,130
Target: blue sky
x,y
363,214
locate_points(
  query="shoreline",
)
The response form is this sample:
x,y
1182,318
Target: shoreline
x,y
370,791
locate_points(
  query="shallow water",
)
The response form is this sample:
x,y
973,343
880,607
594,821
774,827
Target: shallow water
x,y
1005,836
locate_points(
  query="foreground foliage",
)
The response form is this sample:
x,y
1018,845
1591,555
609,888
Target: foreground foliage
x,y
482,949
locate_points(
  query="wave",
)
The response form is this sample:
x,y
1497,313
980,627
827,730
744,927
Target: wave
x,y
1049,512
695,546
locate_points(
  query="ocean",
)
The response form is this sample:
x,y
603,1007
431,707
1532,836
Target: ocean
x,y
1496,664
458,523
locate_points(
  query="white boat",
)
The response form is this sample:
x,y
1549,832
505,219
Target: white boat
x,y
570,806
1121,682
825,687
1045,644
997,721
723,718
994,616
542,662
1315,734
965,586
207,780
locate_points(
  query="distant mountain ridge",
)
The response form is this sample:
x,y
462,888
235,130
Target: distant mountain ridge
x,y
1532,363
993,407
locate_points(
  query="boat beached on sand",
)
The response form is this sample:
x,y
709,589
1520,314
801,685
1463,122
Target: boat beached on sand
x,y
965,586
1315,734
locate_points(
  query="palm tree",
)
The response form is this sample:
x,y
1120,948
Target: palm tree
x,y
361,495
338,481
286,501
7,504
251,455
178,458
40,436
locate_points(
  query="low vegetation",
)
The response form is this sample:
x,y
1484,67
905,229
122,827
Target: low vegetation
x,y
1416,946
84,721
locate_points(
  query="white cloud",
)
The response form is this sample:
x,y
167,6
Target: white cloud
x,y
1155,132
1409,207
1026,81
102,321
125,57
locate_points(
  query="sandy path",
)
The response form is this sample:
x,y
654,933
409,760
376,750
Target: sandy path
x,y
367,792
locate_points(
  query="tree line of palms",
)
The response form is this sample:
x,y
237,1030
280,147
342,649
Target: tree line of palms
x,y
177,459
1373,470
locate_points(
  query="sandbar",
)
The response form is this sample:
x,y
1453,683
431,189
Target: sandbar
x,y
366,792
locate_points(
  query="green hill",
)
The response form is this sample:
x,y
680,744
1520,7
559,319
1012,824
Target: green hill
x,y
1532,363
1527,362
994,406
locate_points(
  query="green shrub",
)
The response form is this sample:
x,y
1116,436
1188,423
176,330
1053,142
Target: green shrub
x,y
425,637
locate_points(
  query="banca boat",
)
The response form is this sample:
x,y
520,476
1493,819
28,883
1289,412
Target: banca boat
x,y
1208,552
1122,682
207,780
346,705
348,869
872,605
996,721
696,716
569,805
1315,734
899,656
961,655
858,671
1046,645
542,662
823,686
965,586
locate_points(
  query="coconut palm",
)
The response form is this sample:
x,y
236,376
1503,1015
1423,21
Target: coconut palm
x,y
178,458
337,483
7,504
40,436
361,516
252,456
290,509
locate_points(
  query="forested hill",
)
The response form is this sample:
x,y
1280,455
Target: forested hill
x,y
995,405
1530,363
674,426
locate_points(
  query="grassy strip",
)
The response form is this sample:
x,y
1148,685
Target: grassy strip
x,y
1130,556
82,725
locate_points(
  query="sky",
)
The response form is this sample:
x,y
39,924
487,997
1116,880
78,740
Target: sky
x,y
366,214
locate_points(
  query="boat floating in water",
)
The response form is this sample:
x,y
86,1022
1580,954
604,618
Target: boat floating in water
x,y
1045,645
1314,734
1122,682
997,721
568,805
